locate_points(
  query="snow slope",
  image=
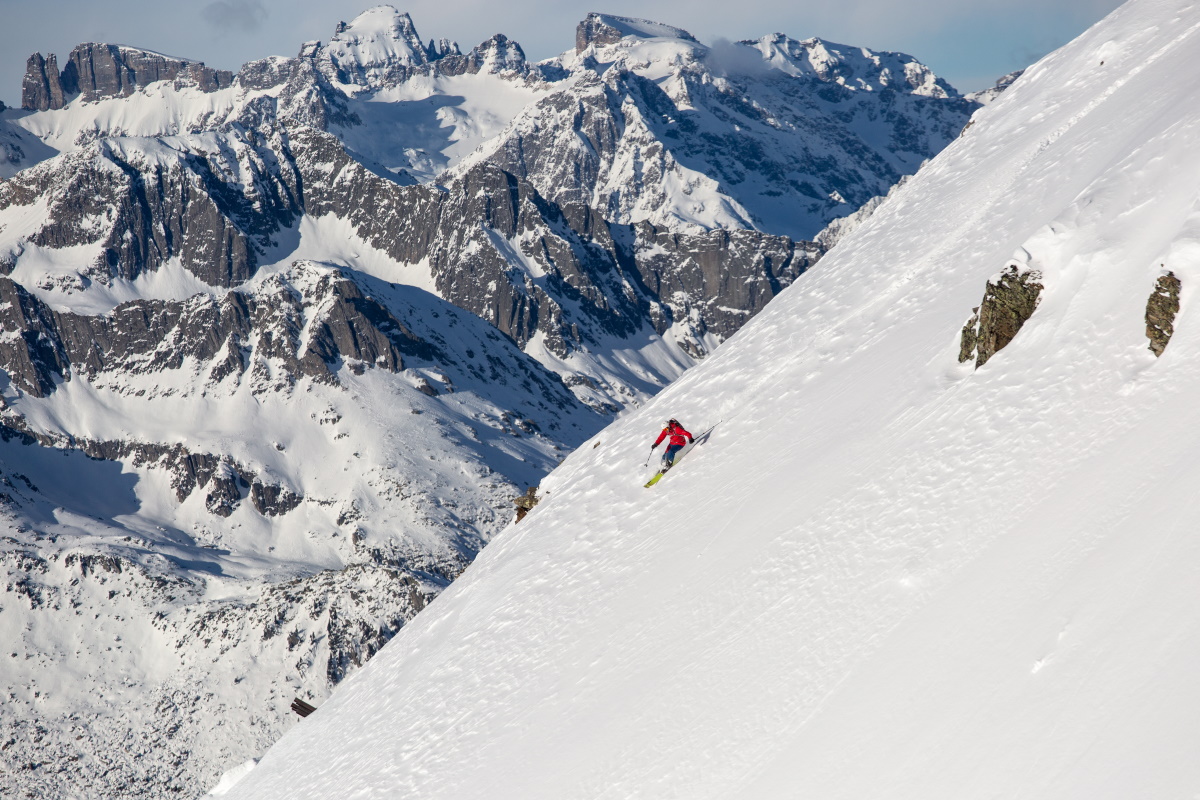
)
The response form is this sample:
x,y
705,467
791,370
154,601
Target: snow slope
x,y
884,574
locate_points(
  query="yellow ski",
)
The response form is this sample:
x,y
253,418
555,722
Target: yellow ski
x,y
654,480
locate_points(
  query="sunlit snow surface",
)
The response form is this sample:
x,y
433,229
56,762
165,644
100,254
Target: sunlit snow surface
x,y
429,123
885,574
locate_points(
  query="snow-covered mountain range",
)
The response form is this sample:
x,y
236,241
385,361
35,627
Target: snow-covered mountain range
x,y
278,347
936,539
774,134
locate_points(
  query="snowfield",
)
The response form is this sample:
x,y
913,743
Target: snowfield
x,y
885,573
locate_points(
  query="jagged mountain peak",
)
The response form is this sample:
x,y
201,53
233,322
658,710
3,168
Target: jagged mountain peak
x,y
601,29
499,53
366,50
443,47
847,65
380,48
382,22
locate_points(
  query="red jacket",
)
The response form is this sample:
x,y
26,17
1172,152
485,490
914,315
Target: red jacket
x,y
677,433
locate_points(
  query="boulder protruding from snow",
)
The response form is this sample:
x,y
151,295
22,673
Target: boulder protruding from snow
x,y
526,502
1008,303
1161,309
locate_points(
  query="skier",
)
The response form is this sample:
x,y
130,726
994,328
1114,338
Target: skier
x,y
677,434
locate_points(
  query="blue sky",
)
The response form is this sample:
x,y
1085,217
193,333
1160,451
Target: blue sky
x,y
968,42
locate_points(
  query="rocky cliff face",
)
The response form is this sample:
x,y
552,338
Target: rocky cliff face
x,y
277,349
96,71
41,89
139,207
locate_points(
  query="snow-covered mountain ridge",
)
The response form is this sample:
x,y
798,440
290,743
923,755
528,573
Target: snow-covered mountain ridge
x,y
887,571
280,347
776,134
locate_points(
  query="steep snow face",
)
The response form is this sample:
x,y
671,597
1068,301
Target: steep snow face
x,y
18,147
883,572
429,123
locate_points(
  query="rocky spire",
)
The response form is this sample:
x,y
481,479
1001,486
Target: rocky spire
x,y
441,48
42,87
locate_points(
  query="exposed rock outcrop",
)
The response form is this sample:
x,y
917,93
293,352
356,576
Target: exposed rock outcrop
x,y
96,71
1008,303
495,245
593,30
526,502
473,231
41,88
714,282
1161,309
